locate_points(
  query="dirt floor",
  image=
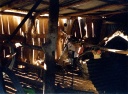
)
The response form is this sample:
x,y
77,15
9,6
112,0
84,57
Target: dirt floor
x,y
75,82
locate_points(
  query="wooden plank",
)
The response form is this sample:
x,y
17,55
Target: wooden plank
x,y
24,20
95,9
3,37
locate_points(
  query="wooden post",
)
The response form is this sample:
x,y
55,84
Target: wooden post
x,y
50,46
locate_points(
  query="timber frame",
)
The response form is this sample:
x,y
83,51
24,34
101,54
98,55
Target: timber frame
x,y
68,8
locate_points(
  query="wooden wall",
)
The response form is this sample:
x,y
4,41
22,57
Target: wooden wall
x,y
34,32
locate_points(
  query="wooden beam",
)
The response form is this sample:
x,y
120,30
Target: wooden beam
x,y
12,13
10,4
45,2
35,47
6,3
3,37
19,2
24,20
95,9
114,1
114,13
61,6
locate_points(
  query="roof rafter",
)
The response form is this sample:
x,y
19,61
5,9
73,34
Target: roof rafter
x,y
62,6
83,12
6,5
